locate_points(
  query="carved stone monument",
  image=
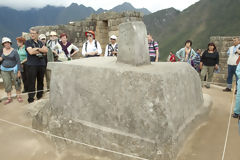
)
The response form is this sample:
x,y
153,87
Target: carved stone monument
x,y
124,105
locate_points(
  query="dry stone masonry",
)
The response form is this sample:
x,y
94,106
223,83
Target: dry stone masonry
x,y
144,111
222,43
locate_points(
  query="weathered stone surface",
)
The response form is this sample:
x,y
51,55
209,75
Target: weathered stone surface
x,y
39,113
133,44
145,111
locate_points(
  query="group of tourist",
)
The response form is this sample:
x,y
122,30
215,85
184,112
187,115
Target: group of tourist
x,y
207,62
28,63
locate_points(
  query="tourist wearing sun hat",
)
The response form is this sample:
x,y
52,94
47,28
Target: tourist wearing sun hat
x,y
48,58
112,48
91,48
10,69
66,49
52,42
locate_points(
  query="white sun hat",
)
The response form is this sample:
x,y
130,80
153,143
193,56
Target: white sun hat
x,y
6,39
42,36
113,37
53,33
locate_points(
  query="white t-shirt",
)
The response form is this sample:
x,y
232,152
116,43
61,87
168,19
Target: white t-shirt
x,y
61,55
232,56
91,48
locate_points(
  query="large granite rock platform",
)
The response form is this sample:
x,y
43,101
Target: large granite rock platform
x,y
126,106
147,111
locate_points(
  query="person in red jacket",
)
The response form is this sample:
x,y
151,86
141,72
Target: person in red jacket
x,y
172,57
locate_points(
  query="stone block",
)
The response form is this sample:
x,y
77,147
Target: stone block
x,y
133,44
113,28
140,111
116,33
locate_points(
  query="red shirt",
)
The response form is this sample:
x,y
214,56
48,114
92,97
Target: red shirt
x,y
172,58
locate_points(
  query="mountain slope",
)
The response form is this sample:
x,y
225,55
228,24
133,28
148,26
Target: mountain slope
x,y
128,7
73,13
14,22
159,20
198,22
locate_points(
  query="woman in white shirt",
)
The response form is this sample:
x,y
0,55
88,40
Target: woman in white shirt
x,y
112,48
67,49
91,48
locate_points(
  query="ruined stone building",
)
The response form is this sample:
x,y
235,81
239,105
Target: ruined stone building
x,y
222,43
104,25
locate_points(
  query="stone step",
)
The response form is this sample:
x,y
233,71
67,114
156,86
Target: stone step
x,y
219,75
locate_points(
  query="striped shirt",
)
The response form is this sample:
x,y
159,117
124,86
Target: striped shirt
x,y
153,47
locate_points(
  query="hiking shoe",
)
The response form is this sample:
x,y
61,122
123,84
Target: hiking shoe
x,y
235,115
235,91
227,90
24,91
38,98
9,100
19,99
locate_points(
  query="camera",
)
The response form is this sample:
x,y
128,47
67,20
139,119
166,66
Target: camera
x,y
39,55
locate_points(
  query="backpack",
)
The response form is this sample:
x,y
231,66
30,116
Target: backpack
x,y
49,41
87,44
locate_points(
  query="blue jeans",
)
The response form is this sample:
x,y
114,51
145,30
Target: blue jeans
x,y
231,72
237,105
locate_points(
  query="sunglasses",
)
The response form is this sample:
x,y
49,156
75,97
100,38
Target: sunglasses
x,y
43,39
89,35
113,39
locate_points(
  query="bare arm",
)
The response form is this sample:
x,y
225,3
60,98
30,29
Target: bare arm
x,y
99,49
44,49
75,50
23,61
157,55
33,51
201,65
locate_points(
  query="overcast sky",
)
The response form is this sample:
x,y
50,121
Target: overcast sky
x,y
152,5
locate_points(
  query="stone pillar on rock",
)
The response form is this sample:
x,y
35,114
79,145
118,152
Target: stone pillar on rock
x,y
133,44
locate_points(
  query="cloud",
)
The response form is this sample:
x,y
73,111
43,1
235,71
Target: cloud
x,y
153,5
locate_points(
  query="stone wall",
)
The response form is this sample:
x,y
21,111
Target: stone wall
x,y
222,44
104,25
